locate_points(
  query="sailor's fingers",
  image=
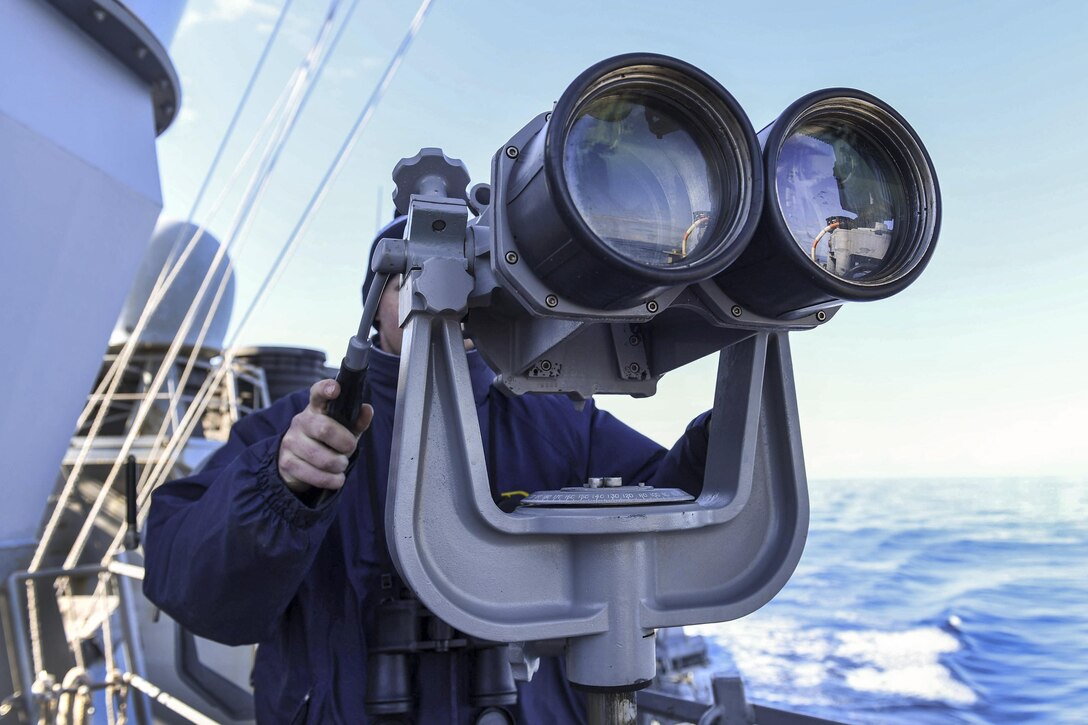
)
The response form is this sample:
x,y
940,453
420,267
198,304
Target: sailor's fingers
x,y
316,453
297,473
312,423
322,392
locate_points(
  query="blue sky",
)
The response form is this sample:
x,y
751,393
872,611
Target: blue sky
x,y
975,370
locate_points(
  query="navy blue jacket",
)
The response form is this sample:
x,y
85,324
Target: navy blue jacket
x,y
233,555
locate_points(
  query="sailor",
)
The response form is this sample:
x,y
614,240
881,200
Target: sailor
x,y
248,551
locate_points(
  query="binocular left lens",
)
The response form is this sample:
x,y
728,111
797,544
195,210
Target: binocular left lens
x,y
645,177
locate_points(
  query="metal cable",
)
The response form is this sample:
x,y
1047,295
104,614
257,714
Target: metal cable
x,y
290,245
194,354
253,193
341,157
112,379
172,260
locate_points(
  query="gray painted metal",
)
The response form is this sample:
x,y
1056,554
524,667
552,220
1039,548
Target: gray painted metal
x,y
79,196
167,242
516,277
138,40
600,578
613,495
519,323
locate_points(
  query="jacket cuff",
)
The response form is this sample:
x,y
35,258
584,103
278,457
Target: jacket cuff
x,y
291,507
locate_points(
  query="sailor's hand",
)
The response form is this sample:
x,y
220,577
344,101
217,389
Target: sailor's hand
x,y
314,452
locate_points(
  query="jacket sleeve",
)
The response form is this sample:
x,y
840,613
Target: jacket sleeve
x,y
683,466
227,548
616,449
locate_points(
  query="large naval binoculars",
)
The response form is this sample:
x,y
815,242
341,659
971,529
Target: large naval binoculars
x,y
638,226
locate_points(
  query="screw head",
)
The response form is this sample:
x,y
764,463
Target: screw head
x,y
652,306
438,225
511,257
736,311
821,315
633,340
634,367
545,365
512,152
551,301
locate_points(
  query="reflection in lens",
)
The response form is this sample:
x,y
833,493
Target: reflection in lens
x,y
840,196
639,173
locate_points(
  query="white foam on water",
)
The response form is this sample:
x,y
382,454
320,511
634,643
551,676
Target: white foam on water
x,y
779,661
905,663
785,662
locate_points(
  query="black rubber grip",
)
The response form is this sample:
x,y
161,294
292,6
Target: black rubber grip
x,y
344,409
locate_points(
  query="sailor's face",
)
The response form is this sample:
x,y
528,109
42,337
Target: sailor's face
x,y
390,334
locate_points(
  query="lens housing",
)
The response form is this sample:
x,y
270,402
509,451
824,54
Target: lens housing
x,y
852,209
645,177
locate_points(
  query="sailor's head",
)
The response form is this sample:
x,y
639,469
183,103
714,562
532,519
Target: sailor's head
x,y
386,322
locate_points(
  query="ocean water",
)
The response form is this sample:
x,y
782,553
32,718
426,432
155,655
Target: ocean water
x,y
927,601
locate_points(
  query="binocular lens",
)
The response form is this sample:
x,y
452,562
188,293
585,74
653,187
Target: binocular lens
x,y
840,195
644,174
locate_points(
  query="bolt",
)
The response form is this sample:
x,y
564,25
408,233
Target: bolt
x,y
545,365
821,316
633,340
652,306
511,152
551,301
99,15
438,225
141,52
737,311
511,257
634,367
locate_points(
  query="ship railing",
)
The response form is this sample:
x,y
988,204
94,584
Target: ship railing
x,y
128,692
730,707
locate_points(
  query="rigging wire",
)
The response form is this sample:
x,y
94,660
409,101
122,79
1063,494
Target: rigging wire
x,y
194,354
243,217
112,379
280,137
291,108
175,260
121,362
200,403
334,169
316,200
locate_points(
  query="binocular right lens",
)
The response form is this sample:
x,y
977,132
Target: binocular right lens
x,y
852,212
841,195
